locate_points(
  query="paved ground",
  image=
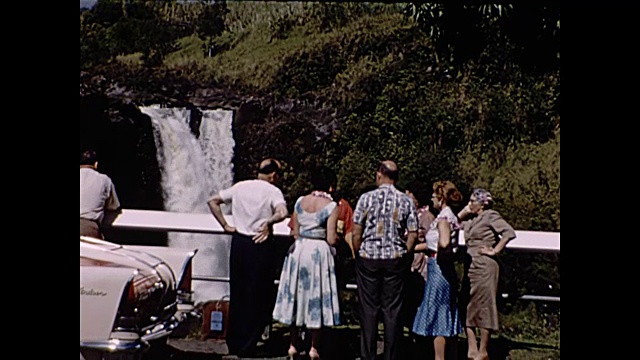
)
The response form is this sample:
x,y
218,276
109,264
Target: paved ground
x,y
338,344
188,344
275,349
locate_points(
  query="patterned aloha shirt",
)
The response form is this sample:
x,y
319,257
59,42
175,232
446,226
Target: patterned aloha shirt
x,y
385,214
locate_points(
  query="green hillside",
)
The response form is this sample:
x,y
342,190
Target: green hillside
x,y
469,93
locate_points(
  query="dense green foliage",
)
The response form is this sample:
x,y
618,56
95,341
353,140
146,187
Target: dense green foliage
x,y
466,93
115,27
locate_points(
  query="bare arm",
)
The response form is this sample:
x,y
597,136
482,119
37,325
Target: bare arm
x,y
444,234
295,228
357,237
332,226
348,238
266,228
421,246
348,227
214,206
411,240
279,215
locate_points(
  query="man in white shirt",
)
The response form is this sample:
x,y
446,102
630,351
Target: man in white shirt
x,y
255,205
97,195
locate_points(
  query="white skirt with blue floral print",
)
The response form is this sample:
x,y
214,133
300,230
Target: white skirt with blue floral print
x,y
307,294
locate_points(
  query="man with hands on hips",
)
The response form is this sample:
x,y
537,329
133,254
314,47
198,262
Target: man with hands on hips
x,y
256,205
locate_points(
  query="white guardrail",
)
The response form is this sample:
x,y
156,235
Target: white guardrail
x,y
154,220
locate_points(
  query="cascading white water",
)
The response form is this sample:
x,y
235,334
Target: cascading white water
x,y
192,170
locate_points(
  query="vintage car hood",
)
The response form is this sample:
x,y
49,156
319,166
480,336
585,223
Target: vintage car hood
x,y
95,252
150,269
104,253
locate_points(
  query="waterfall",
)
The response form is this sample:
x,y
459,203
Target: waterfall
x,y
192,170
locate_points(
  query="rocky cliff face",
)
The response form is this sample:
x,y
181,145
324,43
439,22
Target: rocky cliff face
x,y
111,123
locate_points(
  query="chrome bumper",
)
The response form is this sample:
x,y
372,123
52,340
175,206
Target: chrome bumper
x,y
114,345
140,344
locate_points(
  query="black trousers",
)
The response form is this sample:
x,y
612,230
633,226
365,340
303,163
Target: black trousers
x,y
252,292
412,298
380,286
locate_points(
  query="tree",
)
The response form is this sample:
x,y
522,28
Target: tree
x,y
127,27
462,31
210,23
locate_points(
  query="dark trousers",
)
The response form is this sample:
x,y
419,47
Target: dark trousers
x,y
380,286
252,298
412,298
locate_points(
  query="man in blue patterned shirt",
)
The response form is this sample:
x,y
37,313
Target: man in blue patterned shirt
x,y
383,258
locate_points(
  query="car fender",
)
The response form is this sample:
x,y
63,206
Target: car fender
x,y
177,259
101,289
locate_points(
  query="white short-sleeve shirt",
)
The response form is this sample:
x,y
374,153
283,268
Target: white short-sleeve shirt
x,y
252,203
433,234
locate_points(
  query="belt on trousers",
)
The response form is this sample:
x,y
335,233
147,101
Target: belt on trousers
x,y
430,253
89,220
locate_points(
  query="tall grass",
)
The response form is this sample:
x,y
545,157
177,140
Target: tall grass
x,y
254,58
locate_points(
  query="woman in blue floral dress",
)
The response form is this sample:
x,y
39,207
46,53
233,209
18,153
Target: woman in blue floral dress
x,y
437,316
307,294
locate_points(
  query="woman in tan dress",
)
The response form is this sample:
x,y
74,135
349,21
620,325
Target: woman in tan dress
x,y
486,233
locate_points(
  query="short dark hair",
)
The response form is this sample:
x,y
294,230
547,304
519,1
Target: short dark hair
x,y
269,167
391,174
88,157
421,192
323,178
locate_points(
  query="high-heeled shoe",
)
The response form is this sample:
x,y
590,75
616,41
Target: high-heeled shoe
x,y
292,352
313,354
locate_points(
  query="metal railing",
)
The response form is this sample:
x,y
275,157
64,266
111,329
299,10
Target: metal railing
x,y
166,221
